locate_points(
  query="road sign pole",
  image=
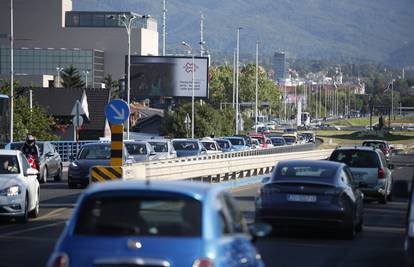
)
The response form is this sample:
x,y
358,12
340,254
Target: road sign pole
x,y
117,144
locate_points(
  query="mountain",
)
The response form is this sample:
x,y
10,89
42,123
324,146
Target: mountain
x,y
334,29
403,57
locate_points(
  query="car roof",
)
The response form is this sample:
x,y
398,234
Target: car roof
x,y
9,152
135,142
366,148
97,144
194,189
308,162
375,141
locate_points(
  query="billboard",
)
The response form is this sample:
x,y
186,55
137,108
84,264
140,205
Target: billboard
x,y
155,76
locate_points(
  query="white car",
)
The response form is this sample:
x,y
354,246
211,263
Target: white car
x,y
19,187
211,146
163,149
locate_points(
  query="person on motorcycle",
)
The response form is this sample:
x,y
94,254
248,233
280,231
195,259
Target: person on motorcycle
x,y
31,151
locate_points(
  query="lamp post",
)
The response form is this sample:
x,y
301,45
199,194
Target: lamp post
x,y
11,70
237,79
86,72
190,50
127,20
58,69
257,84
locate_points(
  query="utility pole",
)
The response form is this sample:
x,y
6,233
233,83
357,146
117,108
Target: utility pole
x,y
164,25
234,77
237,79
11,70
257,84
201,35
392,99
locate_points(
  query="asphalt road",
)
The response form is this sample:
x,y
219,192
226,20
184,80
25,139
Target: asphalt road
x,y
380,243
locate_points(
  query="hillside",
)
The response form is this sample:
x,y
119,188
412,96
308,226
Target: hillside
x,y
305,28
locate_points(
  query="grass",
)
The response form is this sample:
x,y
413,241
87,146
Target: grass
x,y
364,121
335,138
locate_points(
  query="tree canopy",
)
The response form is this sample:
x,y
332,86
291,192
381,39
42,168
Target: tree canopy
x,y
71,78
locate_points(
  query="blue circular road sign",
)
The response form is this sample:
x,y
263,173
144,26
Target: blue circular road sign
x,y
117,111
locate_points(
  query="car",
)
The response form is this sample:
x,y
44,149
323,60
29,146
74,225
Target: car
x,y
290,139
278,141
163,149
50,160
224,144
310,136
140,150
188,147
381,144
93,154
137,223
247,138
369,168
311,193
238,143
210,145
19,187
264,142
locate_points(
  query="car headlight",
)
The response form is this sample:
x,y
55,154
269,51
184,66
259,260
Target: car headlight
x,y
11,191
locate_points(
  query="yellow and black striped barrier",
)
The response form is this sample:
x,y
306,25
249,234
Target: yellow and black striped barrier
x,y
117,144
106,173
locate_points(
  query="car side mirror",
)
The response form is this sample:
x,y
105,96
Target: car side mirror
x,y
49,154
259,230
265,179
31,172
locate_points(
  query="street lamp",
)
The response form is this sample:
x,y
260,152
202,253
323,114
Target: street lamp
x,y
127,20
237,79
58,69
86,72
190,50
11,70
257,83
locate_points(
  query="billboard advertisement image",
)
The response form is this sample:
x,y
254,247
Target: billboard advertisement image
x,y
153,76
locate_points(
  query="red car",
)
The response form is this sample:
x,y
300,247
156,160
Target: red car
x,y
263,140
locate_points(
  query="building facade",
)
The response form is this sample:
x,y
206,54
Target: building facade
x,y
53,28
279,65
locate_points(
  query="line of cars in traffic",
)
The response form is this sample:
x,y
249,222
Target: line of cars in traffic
x,y
124,223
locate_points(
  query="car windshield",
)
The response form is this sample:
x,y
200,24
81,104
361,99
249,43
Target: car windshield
x,y
18,146
277,140
259,139
289,139
379,145
209,145
237,141
95,152
140,215
9,164
302,170
185,145
159,147
356,158
223,144
136,148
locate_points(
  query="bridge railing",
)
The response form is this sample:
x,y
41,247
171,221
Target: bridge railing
x,y
69,148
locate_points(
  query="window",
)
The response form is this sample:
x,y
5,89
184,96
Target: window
x,y
159,147
25,164
235,214
95,152
356,158
136,149
9,164
185,145
140,214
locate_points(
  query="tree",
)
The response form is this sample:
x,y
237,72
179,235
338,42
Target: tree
x,y
35,122
221,85
71,78
112,85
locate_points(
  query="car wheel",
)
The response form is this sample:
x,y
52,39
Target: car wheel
x,y
389,197
24,217
58,176
43,176
35,212
383,199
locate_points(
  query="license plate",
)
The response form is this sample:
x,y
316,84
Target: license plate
x,y
301,198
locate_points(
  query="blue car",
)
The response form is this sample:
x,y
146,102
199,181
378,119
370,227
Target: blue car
x,y
188,147
134,223
224,144
238,143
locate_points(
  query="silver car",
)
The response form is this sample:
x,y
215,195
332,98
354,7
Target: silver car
x,y
140,150
163,149
369,169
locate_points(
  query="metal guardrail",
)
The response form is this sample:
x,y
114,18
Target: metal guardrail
x,y
215,168
69,148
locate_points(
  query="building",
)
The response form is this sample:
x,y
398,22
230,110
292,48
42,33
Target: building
x,y
51,30
280,65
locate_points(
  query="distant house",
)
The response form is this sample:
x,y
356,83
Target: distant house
x,y
145,119
59,103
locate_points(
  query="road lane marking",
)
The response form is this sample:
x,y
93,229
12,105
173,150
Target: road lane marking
x,y
57,205
50,214
31,229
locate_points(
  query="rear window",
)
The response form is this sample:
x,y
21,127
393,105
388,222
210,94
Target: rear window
x,y
356,158
278,140
95,152
159,147
223,144
379,145
260,139
136,149
237,141
289,139
140,215
19,146
209,145
185,145
293,171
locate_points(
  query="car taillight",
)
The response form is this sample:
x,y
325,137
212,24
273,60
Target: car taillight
x,y
60,260
203,262
381,173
